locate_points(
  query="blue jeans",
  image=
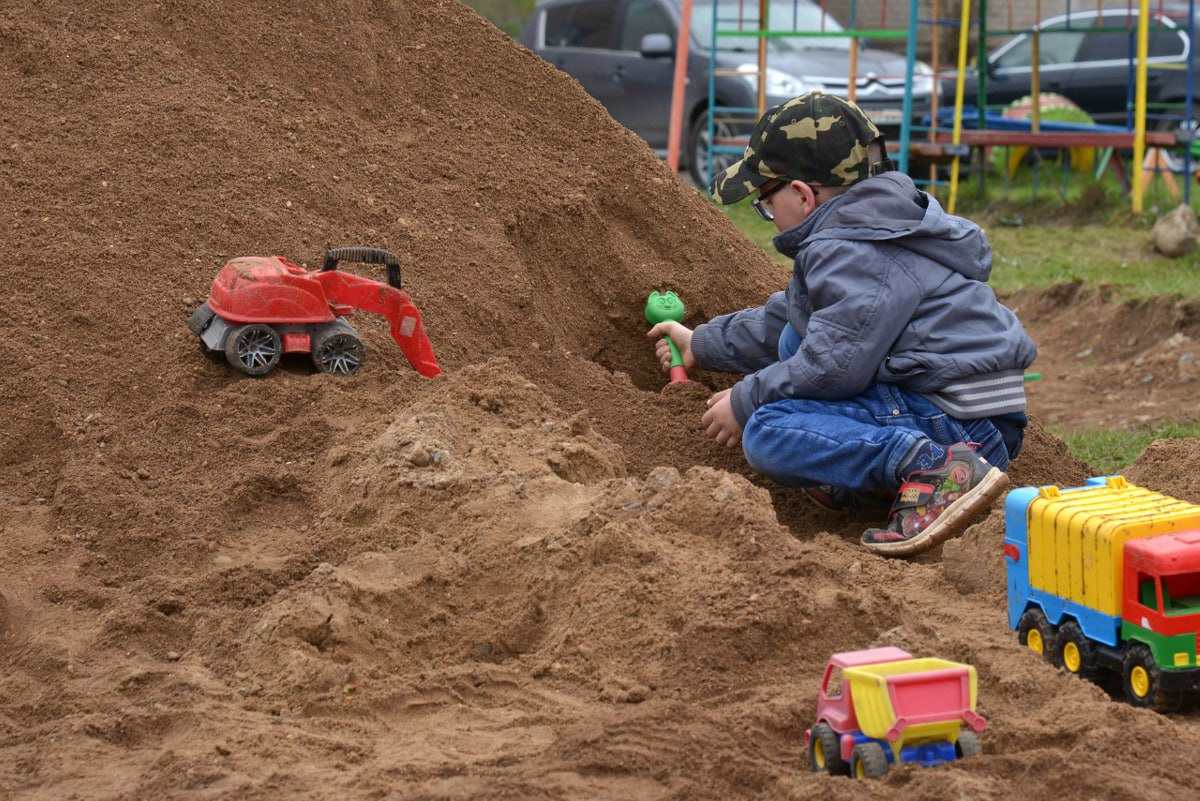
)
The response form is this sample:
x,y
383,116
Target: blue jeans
x,y
856,443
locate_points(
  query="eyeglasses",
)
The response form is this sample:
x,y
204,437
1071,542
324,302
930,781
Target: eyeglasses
x,y
763,194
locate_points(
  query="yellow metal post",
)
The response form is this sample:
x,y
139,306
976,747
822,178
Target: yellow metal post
x,y
853,92
963,29
1139,106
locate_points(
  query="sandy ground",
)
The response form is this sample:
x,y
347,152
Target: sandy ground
x,y
530,577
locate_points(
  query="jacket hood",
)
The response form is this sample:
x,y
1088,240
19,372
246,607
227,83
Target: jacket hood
x,y
890,207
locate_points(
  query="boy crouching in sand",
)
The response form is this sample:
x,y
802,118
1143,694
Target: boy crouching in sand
x,y
887,371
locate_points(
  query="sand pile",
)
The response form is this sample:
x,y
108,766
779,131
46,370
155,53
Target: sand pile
x,y
530,577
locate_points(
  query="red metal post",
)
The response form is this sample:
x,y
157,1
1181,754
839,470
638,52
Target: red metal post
x,y
677,93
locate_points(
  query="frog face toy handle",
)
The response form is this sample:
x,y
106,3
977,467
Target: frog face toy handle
x,y
661,308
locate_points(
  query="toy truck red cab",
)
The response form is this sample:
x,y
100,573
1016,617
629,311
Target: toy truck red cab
x,y
1161,608
834,704
261,307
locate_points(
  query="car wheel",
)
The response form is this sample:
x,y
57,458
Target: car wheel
x,y
868,761
1035,633
254,349
698,147
824,753
1075,652
338,353
1143,681
1173,159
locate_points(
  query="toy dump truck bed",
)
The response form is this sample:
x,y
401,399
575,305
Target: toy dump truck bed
x,y
914,700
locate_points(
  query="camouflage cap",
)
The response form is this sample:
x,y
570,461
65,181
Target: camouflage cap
x,y
816,138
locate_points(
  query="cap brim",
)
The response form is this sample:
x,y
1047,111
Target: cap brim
x,y
735,183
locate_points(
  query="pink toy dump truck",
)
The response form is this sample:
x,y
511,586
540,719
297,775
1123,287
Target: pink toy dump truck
x,y
881,706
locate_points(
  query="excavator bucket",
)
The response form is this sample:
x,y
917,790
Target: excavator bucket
x,y
409,333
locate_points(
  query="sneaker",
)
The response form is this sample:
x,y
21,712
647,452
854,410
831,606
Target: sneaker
x,y
934,505
835,499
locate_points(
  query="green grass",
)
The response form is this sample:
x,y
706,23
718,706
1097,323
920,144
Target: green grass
x,y
507,15
1116,255
1112,451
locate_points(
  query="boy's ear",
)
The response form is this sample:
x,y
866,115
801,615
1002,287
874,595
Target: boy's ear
x,y
810,197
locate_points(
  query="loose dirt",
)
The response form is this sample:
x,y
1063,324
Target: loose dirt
x,y
531,577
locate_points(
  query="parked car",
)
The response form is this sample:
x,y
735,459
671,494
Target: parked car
x,y
1087,56
623,53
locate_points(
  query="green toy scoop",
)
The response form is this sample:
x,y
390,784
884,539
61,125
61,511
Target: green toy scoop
x,y
659,309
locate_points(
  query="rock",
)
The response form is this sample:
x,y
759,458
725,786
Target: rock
x,y
1176,233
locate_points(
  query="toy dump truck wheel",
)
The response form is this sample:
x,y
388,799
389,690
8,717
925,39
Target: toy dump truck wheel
x,y
1076,653
1143,681
823,751
967,745
1035,633
338,353
867,761
254,349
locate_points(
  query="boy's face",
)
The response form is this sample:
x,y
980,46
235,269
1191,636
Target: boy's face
x,y
788,202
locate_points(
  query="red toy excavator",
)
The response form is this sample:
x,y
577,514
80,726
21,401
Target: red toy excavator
x,y
262,307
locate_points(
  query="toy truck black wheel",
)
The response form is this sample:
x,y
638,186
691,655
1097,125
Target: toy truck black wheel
x,y
1075,652
338,352
867,761
824,754
1035,633
967,745
254,349
1143,681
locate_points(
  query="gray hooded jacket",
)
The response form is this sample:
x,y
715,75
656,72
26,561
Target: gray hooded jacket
x,y
886,287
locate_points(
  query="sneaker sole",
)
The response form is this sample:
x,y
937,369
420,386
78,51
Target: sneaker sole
x,y
828,507
951,522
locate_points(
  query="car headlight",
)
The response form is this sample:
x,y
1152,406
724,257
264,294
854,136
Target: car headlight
x,y
923,78
778,83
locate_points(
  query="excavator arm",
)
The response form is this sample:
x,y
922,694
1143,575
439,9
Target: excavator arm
x,y
385,299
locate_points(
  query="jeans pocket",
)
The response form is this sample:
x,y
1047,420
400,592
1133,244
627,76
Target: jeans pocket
x,y
891,408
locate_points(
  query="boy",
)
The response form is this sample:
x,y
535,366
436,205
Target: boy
x,y
887,369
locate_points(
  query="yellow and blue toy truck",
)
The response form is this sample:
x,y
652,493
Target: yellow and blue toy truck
x,y
1105,578
881,706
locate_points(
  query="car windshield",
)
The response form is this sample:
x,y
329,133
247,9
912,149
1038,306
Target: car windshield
x,y
737,17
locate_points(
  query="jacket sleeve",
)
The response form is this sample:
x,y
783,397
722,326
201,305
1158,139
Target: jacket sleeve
x,y
862,299
743,341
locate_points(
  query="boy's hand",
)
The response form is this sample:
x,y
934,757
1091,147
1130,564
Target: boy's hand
x,y
720,422
681,335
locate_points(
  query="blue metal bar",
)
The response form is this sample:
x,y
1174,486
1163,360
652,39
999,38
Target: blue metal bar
x,y
910,57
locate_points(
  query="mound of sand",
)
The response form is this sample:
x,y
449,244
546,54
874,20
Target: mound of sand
x,y
530,577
